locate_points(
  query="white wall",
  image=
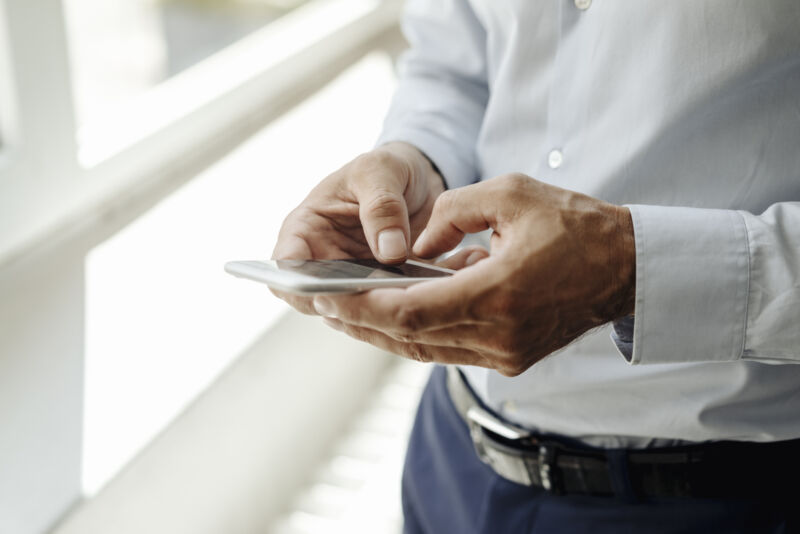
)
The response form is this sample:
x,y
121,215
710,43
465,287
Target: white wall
x,y
41,363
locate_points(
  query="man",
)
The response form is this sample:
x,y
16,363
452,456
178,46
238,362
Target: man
x,y
679,125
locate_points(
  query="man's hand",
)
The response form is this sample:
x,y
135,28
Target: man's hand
x,y
561,263
376,205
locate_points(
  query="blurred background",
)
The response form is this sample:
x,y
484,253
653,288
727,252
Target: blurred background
x,y
144,143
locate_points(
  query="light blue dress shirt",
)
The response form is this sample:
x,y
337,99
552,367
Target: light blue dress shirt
x,y
688,111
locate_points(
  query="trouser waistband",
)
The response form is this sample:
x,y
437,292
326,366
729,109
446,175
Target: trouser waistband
x,y
714,469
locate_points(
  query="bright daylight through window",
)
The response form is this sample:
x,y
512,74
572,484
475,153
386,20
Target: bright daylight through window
x,y
119,50
143,144
160,306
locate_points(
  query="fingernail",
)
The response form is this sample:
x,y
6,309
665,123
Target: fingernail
x,y
473,258
324,307
392,244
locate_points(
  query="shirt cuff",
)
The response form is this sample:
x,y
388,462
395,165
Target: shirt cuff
x,y
455,171
692,276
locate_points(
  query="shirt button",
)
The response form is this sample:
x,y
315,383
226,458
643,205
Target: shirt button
x,y
583,5
555,158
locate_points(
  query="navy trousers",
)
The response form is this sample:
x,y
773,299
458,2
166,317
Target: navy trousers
x,y
448,490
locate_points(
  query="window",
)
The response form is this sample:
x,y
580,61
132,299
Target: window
x,y
163,318
119,50
98,181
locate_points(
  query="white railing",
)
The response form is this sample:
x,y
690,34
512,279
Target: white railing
x,y
62,193
121,166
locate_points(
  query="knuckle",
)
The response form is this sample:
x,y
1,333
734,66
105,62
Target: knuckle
x,y
510,186
418,353
405,337
515,180
444,200
384,204
291,220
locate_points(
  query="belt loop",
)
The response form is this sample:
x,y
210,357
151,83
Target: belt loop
x,y
620,475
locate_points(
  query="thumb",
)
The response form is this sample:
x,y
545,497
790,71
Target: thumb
x,y
455,213
384,218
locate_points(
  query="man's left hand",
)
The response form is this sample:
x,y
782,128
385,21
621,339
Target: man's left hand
x,y
560,264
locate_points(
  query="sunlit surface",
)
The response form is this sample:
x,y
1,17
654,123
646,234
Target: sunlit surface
x,y
159,321
120,49
357,490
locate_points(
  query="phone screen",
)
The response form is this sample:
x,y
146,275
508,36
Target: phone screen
x,y
357,269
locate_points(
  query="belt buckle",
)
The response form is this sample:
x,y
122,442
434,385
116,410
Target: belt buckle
x,y
547,469
481,424
479,420
482,418
548,474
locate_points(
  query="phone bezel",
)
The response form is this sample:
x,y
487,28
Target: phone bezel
x,y
266,272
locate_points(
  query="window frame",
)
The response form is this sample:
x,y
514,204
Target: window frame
x,y
172,137
59,197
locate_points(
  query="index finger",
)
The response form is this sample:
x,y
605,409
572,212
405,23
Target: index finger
x,y
456,212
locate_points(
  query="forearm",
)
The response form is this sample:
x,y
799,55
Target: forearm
x,y
442,92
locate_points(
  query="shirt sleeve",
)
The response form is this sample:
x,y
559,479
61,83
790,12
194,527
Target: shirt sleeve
x,y
714,285
443,91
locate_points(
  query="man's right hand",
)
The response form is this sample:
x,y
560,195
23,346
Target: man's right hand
x,y
376,205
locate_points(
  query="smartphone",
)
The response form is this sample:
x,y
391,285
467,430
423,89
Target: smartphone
x,y
316,277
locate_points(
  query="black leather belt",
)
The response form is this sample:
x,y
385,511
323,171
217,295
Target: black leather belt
x,y
713,469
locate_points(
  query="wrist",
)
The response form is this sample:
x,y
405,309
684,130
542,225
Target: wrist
x,y
626,263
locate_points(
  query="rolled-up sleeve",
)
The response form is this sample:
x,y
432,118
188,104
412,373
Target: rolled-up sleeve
x,y
715,285
442,92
